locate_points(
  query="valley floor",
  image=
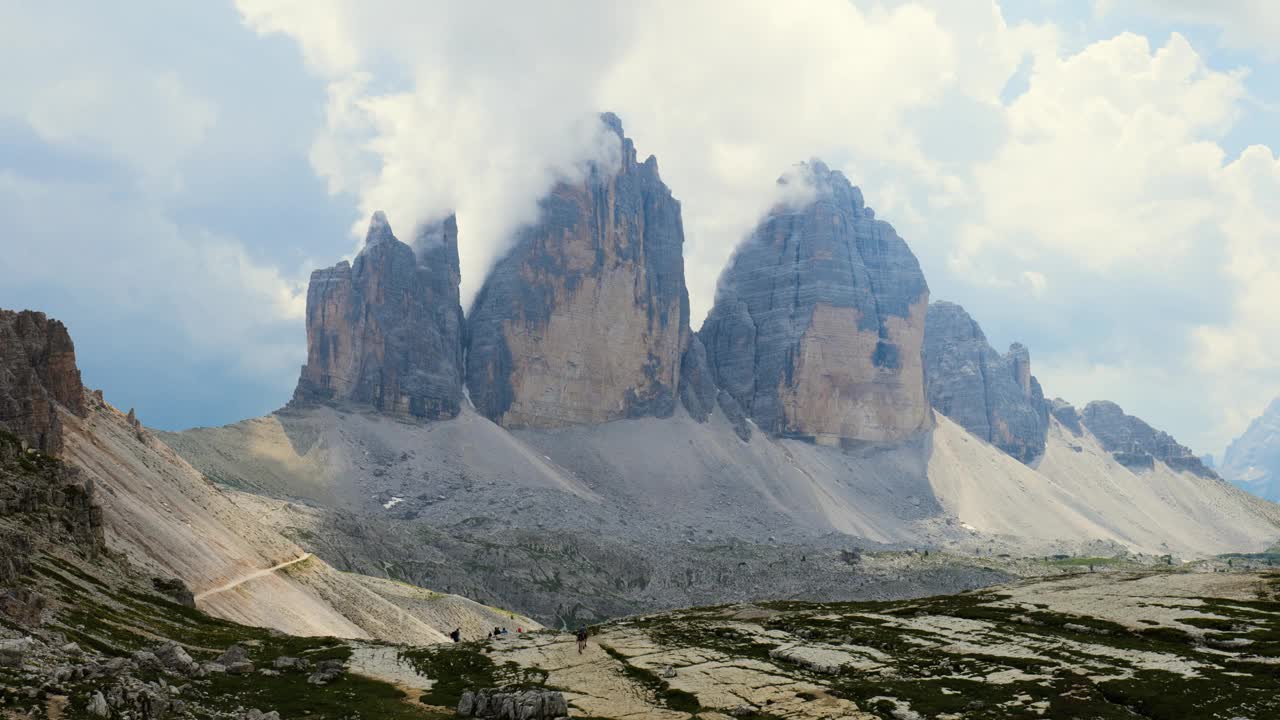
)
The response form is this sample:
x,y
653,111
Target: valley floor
x,y
1091,645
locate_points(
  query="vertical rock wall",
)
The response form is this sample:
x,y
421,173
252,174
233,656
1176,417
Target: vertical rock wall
x,y
37,373
386,331
586,319
818,324
991,395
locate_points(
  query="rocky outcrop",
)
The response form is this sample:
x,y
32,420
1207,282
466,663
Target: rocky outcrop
x,y
514,704
991,395
1252,460
697,386
819,321
586,319
1066,413
386,330
1137,445
37,374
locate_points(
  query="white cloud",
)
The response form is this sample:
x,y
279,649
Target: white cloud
x,y
479,109
1251,24
212,294
1105,176
84,90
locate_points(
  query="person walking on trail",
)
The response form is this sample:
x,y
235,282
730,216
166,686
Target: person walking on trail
x,y
582,639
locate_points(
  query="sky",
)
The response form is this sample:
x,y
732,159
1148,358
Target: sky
x,y
1097,180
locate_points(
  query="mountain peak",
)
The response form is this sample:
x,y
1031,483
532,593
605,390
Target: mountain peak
x,y
379,230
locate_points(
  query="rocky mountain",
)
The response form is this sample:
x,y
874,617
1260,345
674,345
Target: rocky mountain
x,y
819,321
586,319
1252,460
991,395
386,330
579,488
1136,444
116,489
37,375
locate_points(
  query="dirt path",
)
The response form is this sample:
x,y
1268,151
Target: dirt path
x,y
252,576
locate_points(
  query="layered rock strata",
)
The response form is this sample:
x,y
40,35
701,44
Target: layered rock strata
x,y
991,395
586,319
819,321
386,330
37,374
1136,444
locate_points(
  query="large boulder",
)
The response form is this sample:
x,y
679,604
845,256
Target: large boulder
x,y
38,373
500,704
991,395
386,330
586,319
819,320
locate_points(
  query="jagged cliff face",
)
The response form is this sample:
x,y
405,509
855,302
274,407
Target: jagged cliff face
x,y
1137,445
387,330
991,395
819,322
37,373
1252,461
586,319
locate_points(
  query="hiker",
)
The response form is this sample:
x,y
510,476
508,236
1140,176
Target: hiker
x,y
456,635
582,639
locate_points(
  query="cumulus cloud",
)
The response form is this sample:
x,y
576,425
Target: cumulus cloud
x,y
97,226
1075,195
1090,182
479,109
1155,246
442,107
216,300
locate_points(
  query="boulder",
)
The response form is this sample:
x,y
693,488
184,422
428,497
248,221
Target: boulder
x,y
234,654
174,658
501,704
14,650
327,671
97,706
819,320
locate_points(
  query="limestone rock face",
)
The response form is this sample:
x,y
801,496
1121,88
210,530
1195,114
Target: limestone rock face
x,y
1252,460
1066,414
587,318
1136,444
697,386
991,395
386,330
819,321
37,373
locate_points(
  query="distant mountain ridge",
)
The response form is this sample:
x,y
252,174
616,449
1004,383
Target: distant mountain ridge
x,y
619,462
1252,460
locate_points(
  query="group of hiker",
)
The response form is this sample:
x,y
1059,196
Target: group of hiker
x,y
456,635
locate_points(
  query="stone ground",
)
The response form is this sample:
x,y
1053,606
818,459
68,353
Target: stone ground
x,y
1097,645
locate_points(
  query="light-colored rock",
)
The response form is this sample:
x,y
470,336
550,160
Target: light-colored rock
x,y
818,326
586,320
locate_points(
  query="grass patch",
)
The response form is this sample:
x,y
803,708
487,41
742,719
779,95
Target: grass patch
x,y
672,698
460,667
